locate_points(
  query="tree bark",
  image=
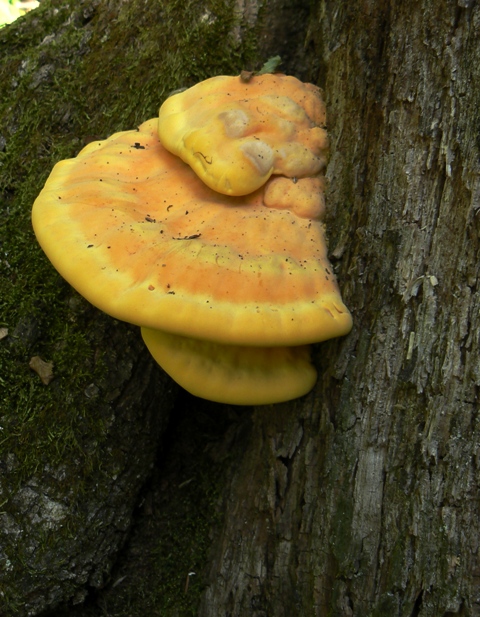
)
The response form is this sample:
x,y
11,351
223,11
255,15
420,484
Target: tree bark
x,y
76,450
77,447
361,498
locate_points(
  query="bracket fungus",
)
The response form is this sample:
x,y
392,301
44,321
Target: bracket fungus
x,y
235,135
181,227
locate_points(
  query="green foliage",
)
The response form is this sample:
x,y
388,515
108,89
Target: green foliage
x,y
270,66
8,12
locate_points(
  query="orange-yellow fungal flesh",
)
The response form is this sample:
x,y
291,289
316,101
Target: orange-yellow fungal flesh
x,y
305,197
136,232
233,374
235,135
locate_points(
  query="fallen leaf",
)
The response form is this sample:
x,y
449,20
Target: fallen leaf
x,y
43,369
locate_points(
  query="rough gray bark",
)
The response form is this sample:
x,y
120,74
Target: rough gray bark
x,y
76,452
363,497
62,525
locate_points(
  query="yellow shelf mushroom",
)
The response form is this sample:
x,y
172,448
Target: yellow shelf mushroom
x,y
235,135
232,373
229,289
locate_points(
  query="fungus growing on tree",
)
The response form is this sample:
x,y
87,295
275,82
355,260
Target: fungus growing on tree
x,y
229,289
235,135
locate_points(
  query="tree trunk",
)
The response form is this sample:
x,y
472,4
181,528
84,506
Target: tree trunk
x,y
361,498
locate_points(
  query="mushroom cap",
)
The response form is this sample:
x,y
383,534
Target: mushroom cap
x,y
235,135
305,197
135,231
233,374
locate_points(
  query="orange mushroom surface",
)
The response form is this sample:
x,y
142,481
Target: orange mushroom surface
x,y
235,135
232,373
139,235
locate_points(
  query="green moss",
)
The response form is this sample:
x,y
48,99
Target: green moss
x,y
77,72
72,72
172,579
176,541
180,514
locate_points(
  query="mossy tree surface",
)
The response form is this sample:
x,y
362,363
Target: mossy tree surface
x,y
75,453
